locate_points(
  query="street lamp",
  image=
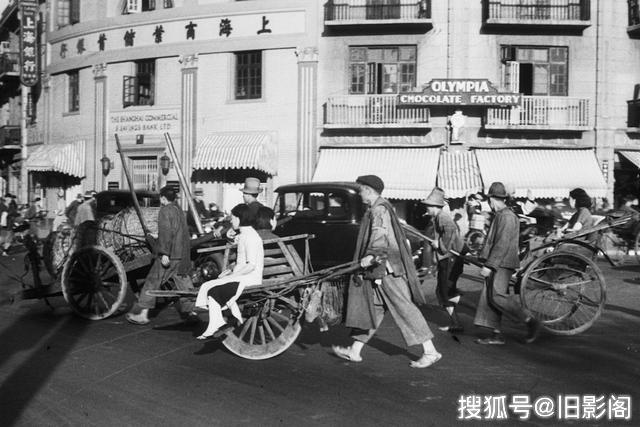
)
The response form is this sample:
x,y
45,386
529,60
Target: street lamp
x,y
165,164
106,165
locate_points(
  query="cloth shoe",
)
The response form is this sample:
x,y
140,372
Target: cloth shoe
x,y
137,319
426,360
495,339
346,353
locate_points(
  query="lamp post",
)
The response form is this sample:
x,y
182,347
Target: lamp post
x,y
106,165
165,164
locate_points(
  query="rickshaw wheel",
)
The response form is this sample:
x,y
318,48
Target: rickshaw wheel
x,y
565,291
271,324
614,246
94,282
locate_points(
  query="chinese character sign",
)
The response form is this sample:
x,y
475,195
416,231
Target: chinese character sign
x,y
28,39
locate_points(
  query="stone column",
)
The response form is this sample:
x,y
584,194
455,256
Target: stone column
x,y
100,125
307,112
188,116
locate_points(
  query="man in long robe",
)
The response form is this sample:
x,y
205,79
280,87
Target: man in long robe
x,y
390,285
172,262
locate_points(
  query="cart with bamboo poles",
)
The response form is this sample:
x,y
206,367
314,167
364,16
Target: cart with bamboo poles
x,y
559,281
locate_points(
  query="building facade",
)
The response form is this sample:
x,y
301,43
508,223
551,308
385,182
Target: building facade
x,y
420,92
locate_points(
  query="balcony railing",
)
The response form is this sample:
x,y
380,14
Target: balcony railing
x,y
371,111
9,135
542,112
350,11
547,12
9,63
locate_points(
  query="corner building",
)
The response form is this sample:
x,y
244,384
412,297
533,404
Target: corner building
x,y
228,81
571,61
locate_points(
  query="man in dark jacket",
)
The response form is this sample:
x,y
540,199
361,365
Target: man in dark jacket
x,y
501,261
450,266
173,259
392,285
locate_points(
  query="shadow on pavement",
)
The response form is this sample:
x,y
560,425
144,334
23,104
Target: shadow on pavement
x,y
49,338
622,310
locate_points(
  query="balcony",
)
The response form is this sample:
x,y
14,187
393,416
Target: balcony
x,y
564,14
542,113
634,19
363,14
373,111
9,137
9,65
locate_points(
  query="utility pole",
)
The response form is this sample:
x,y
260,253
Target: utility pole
x,y
23,184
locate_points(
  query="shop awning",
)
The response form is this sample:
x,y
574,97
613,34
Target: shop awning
x,y
67,158
408,173
458,173
237,150
632,156
547,173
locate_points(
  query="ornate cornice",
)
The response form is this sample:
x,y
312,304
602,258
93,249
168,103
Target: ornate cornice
x,y
99,70
307,54
188,61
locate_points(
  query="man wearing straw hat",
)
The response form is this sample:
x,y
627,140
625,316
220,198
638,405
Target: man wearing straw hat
x,y
447,238
392,285
500,255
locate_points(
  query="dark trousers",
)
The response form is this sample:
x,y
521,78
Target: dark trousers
x,y
495,301
449,270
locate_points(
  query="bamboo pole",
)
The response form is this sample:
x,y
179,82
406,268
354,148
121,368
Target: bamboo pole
x,y
184,184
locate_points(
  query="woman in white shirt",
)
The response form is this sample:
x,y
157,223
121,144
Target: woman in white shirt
x,y
225,290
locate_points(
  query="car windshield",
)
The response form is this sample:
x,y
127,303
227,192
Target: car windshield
x,y
315,204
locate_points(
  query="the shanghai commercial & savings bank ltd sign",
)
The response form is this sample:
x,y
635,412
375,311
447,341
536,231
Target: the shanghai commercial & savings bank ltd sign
x,y
454,92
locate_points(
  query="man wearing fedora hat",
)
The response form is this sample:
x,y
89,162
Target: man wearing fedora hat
x,y
450,266
500,255
391,285
250,192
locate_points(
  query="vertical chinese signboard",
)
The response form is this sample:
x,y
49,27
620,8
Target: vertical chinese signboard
x,y
28,42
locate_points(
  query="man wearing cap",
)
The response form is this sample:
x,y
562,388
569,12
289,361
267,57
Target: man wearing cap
x,y
447,238
390,285
172,262
250,192
500,255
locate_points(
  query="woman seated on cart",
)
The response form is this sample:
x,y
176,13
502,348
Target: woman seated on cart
x,y
223,292
581,219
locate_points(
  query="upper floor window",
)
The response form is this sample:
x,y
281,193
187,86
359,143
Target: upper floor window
x,y
140,89
380,70
73,93
137,6
248,75
68,12
535,70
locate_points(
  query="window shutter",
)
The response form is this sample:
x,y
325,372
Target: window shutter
x,y
152,4
168,4
75,11
129,91
508,53
511,76
152,88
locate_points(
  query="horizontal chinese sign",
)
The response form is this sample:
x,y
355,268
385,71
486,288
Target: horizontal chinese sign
x,y
479,92
28,42
145,122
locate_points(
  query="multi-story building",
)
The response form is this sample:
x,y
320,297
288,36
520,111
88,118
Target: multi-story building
x,y
540,94
571,61
229,82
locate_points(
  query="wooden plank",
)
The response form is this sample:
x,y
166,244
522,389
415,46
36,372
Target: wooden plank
x,y
266,242
296,269
277,270
139,262
269,261
272,252
296,258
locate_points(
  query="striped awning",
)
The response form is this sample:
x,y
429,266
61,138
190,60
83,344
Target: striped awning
x,y
67,158
632,156
547,173
408,173
458,173
237,150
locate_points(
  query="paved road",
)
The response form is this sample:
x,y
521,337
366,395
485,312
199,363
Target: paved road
x,y
56,369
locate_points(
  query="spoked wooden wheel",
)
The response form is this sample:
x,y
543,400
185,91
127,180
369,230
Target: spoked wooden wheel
x,y
94,282
636,247
564,291
615,247
271,325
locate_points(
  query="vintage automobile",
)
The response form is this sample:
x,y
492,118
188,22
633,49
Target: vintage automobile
x,y
331,211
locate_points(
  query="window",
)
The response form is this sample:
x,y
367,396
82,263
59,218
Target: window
x,y
68,12
144,173
73,79
140,89
535,70
137,6
380,70
248,84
